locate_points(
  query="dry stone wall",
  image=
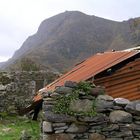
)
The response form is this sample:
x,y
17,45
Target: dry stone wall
x,y
18,88
112,119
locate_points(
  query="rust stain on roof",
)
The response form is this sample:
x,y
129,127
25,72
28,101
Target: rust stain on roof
x,y
92,66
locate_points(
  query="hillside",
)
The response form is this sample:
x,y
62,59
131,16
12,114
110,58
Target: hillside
x,y
67,38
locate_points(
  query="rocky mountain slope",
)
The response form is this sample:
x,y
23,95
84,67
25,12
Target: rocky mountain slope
x,y
67,38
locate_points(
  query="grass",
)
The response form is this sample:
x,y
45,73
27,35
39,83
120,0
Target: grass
x,y
12,126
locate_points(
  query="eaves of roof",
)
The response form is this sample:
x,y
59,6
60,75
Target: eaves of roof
x,y
92,66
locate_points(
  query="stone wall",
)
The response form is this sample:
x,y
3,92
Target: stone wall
x,y
112,119
18,88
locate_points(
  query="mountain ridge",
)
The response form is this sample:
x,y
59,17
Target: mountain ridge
x,y
67,38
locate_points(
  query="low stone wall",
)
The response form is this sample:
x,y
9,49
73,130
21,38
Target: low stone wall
x,y
109,119
18,88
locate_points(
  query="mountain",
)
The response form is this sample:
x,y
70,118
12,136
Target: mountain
x,y
68,38
1,64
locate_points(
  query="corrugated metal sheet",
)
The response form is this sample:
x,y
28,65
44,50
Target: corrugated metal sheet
x,y
125,82
92,66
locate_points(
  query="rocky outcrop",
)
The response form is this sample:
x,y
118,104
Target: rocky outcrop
x,y
109,119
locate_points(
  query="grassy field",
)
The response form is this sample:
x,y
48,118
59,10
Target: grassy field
x,y
12,127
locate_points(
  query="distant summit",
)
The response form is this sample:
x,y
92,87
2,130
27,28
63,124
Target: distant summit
x,y
67,38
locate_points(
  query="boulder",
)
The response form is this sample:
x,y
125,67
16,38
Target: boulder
x,y
63,90
59,124
90,97
47,127
97,91
135,127
104,103
120,134
138,107
105,97
61,128
61,136
59,131
54,95
98,118
120,116
53,117
111,127
133,107
121,101
78,105
2,87
114,139
96,136
76,128
47,107
70,84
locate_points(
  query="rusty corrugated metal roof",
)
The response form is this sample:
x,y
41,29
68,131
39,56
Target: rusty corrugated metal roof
x,y
92,66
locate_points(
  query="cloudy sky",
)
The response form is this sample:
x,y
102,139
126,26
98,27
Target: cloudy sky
x,y
21,18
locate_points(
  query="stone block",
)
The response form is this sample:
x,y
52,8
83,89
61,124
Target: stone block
x,y
114,138
61,136
121,101
60,118
84,105
54,95
96,136
70,84
61,128
47,127
104,106
63,90
111,127
76,128
59,124
97,91
121,134
105,97
120,116
97,118
133,107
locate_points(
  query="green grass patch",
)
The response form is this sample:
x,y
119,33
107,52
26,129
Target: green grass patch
x,y
12,126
